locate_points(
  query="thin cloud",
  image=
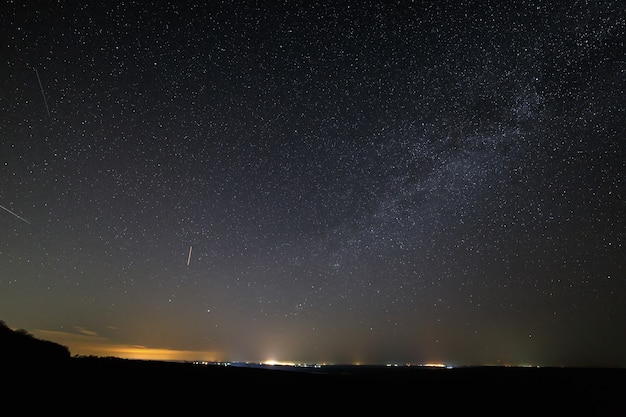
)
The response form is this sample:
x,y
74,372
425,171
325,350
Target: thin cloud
x,y
85,331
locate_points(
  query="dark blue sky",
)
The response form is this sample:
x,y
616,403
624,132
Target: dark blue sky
x,y
383,182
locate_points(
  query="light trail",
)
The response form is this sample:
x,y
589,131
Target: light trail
x,y
42,93
19,217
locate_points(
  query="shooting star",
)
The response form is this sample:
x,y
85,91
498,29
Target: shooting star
x,y
189,257
23,219
42,93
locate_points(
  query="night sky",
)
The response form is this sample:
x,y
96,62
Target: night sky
x,y
350,182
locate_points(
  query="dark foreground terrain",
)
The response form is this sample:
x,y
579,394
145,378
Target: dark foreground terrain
x,y
44,379
108,386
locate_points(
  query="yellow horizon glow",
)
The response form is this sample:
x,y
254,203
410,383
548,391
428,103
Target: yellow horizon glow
x,y
435,365
93,345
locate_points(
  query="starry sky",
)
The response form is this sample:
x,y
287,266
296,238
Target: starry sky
x,y
298,181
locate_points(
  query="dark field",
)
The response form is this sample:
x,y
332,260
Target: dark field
x,y
109,386
39,378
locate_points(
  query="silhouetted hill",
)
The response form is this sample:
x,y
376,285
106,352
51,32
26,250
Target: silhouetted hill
x,y
18,347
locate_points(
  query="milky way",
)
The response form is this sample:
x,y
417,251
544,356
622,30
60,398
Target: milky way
x,y
390,182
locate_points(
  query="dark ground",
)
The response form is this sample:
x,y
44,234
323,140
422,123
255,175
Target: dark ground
x,y
109,386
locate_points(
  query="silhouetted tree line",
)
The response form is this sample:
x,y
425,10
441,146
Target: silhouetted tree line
x,y
19,345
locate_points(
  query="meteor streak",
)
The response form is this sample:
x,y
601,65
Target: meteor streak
x,y
189,257
42,93
24,220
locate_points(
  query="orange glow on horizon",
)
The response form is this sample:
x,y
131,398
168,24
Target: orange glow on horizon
x,y
435,365
87,345
146,353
